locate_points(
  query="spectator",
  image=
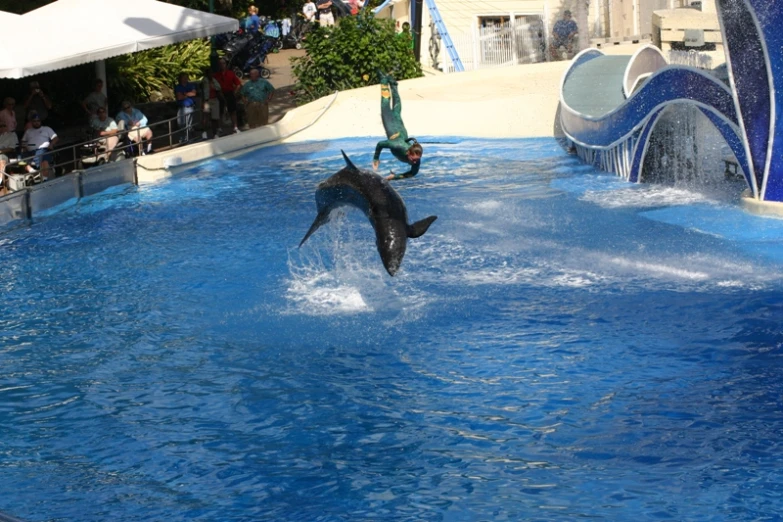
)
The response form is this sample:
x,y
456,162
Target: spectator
x,y
229,86
257,92
9,142
325,16
213,100
406,33
38,101
186,101
252,23
564,35
39,140
309,11
355,5
95,100
8,115
3,175
133,120
106,128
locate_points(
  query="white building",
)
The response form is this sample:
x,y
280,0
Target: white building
x,y
503,32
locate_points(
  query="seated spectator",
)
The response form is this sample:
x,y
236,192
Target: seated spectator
x,y
564,35
8,140
213,100
106,129
257,92
3,176
95,100
37,101
39,140
8,114
186,101
133,120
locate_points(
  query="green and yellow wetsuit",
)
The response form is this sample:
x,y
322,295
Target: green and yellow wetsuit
x,y
398,141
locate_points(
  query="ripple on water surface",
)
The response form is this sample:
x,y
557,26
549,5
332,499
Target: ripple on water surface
x,y
558,345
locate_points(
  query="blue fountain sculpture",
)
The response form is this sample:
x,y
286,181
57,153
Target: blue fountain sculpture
x,y
611,104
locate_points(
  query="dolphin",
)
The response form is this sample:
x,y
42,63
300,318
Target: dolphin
x,y
374,196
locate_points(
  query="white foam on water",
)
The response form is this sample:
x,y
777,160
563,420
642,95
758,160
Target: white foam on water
x,y
340,272
551,265
646,196
487,207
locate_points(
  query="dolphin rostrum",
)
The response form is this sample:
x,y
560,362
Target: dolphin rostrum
x,y
374,196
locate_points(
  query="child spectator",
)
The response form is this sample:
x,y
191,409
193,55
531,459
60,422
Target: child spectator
x,y
186,101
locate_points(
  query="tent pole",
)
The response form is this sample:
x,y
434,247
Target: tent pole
x,y
100,73
213,56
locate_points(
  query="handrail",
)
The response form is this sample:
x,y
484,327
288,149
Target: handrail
x,y
78,160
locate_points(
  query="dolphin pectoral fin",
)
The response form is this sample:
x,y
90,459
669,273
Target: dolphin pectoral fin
x,y
420,227
320,219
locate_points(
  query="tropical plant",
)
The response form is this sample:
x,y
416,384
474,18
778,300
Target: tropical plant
x,y
137,76
350,55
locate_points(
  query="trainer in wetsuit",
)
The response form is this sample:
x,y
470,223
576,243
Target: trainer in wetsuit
x,y
401,146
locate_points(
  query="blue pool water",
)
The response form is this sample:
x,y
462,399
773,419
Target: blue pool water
x,y
559,345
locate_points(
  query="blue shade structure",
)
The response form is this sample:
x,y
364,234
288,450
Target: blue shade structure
x,y
611,104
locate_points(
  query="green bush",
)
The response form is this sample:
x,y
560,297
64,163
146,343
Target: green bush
x,y
350,55
136,76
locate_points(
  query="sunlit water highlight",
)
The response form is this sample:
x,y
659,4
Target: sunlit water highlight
x,y
559,345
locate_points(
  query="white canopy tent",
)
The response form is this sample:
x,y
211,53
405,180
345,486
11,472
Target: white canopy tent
x,y
74,32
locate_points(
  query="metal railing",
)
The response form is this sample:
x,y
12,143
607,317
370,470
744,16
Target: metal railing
x,y
97,154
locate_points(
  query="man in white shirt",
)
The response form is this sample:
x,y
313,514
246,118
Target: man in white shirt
x,y
39,140
309,11
8,140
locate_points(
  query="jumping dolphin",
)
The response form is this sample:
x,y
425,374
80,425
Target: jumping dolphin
x,y
374,196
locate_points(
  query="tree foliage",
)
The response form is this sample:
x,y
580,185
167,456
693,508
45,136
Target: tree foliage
x,y
350,55
136,76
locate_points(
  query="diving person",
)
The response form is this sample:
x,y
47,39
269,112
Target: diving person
x,y
405,149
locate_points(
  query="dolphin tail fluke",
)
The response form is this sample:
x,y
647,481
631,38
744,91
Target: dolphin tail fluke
x,y
420,227
320,219
348,162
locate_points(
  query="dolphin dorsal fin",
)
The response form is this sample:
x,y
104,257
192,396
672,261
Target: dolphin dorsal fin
x,y
348,161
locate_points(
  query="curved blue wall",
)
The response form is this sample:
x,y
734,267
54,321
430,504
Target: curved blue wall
x,y
744,114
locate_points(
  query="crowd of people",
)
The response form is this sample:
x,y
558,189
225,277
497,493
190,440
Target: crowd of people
x,y
31,145
217,95
321,10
